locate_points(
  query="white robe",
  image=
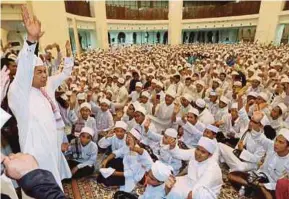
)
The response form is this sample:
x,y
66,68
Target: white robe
x,y
38,134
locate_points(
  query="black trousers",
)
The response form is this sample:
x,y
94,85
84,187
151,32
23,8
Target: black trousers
x,y
124,195
85,171
117,164
228,141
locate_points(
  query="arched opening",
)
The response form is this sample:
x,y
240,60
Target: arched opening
x,y
191,37
165,40
121,37
108,35
134,37
158,37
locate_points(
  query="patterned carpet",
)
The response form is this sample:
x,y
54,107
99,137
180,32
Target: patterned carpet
x,y
88,188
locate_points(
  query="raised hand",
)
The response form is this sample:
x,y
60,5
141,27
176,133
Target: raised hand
x,y
32,25
4,82
147,124
177,108
72,101
68,48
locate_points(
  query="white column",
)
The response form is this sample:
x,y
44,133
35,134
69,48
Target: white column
x,y
175,22
76,38
268,21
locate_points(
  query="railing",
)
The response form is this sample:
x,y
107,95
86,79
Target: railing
x,y
286,7
229,9
78,8
124,13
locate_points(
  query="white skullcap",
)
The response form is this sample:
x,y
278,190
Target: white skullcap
x,y
237,83
171,93
200,103
160,84
171,132
138,84
188,97
200,82
121,80
264,96
208,144
145,94
217,80
85,104
87,130
120,124
81,96
154,81
234,73
109,91
105,101
283,107
38,61
213,93
285,80
285,133
135,133
255,77
213,128
225,100
140,109
194,111
253,94
161,171
68,93
272,71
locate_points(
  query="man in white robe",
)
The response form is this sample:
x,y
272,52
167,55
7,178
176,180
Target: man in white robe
x,y
37,123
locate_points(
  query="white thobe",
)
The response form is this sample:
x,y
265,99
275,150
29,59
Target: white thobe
x,y
130,122
38,134
122,97
157,192
204,179
134,166
275,167
163,114
206,117
134,96
113,141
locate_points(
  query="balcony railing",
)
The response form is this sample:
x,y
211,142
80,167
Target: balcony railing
x,y
78,8
229,9
124,13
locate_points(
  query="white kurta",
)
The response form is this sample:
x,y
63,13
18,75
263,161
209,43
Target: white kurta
x,y
36,122
204,179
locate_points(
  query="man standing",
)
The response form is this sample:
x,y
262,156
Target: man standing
x,y
31,98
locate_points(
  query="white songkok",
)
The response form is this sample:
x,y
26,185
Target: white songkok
x,y
105,101
85,104
213,128
145,94
264,96
135,133
138,84
253,94
225,100
194,111
171,132
120,124
81,96
188,97
208,144
38,61
285,133
161,171
171,93
121,80
140,109
87,130
283,108
200,103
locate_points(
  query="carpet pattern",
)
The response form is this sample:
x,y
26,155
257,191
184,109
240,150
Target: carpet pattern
x,y
88,188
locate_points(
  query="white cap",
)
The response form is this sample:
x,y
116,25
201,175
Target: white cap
x,y
208,144
171,93
145,94
217,80
87,130
200,82
106,172
171,132
194,111
264,96
160,84
234,73
121,80
283,107
85,104
105,101
234,106
237,83
200,103
213,128
265,120
64,97
253,94
161,171
81,96
68,93
38,61
213,93
285,133
120,124
140,109
188,97
224,99
135,133
138,84
285,80
255,77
